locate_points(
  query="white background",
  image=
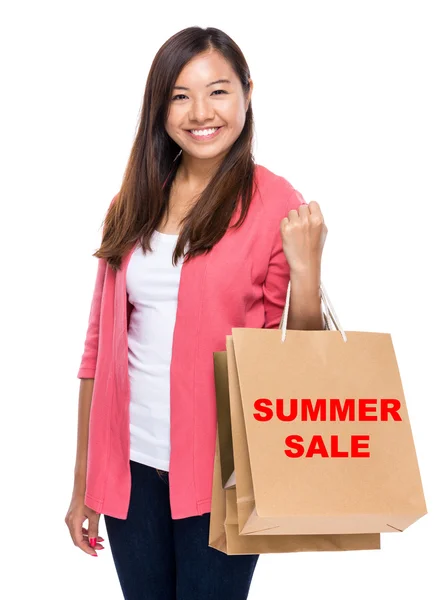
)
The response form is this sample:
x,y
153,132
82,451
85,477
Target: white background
x,y
345,103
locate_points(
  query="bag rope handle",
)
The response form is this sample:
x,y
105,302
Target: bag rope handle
x,y
329,313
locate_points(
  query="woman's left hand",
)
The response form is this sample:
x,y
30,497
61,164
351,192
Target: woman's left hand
x,y
303,233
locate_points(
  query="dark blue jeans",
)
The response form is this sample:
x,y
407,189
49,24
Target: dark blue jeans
x,y
160,558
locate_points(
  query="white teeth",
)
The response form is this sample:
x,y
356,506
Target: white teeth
x,y
204,131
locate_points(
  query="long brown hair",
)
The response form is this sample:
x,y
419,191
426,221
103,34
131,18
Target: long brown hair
x,y
143,199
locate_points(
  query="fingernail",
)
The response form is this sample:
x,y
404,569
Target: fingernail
x,y
92,542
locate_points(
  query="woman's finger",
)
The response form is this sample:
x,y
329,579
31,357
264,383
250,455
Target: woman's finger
x,y
85,532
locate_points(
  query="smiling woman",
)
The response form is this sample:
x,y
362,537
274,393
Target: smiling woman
x,y
210,109
146,446
194,142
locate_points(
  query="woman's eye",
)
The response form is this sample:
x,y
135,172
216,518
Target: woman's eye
x,y
183,95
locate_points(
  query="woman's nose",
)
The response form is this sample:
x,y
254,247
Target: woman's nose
x,y
200,110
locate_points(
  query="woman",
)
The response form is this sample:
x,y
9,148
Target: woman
x,y
147,413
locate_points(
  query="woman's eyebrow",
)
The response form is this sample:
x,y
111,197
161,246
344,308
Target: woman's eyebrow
x,y
181,87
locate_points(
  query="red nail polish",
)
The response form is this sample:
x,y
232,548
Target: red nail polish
x,y
92,542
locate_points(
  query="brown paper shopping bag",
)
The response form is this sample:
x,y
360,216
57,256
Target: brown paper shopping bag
x,y
224,527
327,430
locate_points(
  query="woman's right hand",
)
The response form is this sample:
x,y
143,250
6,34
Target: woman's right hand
x,y
76,515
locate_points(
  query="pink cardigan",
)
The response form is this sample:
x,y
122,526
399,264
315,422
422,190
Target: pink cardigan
x,y
242,282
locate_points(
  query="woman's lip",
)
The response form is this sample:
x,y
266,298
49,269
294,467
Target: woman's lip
x,y
198,138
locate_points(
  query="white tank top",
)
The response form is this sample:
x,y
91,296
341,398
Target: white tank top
x,y
152,284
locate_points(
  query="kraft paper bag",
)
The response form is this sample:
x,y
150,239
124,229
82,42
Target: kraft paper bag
x,y
350,469
224,535
224,527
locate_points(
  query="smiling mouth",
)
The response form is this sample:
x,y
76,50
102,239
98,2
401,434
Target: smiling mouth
x,y
210,133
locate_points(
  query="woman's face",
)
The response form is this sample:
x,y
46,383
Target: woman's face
x,y
199,102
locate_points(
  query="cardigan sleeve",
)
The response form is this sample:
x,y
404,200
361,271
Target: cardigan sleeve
x,y
278,273
87,367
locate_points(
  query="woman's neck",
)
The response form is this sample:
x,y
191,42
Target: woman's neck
x,y
195,173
